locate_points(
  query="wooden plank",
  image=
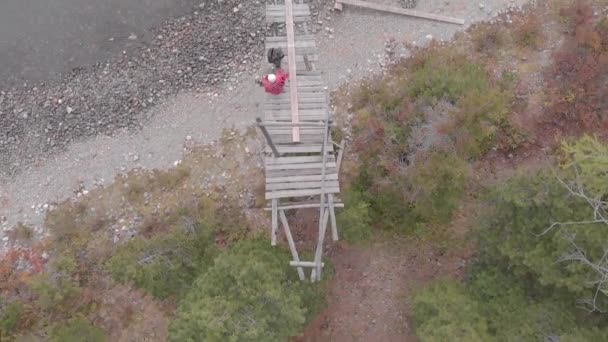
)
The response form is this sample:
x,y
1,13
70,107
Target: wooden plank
x,y
311,58
304,206
299,50
332,216
296,160
330,176
322,210
314,105
283,39
340,154
307,95
299,193
285,44
317,99
274,124
296,149
291,57
310,126
298,166
310,93
308,81
316,273
281,8
280,12
283,134
297,12
306,139
402,11
275,223
296,173
281,19
291,243
311,90
285,118
301,185
306,112
305,264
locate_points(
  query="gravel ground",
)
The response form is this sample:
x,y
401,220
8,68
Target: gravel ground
x,y
150,108
214,44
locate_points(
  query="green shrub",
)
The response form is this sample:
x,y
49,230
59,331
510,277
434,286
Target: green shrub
x,y
249,294
445,312
10,317
488,38
529,32
164,265
523,209
354,220
493,306
57,288
442,75
477,119
437,183
167,264
77,330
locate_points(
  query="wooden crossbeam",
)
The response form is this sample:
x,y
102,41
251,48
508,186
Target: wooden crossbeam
x,y
402,11
304,206
305,264
291,57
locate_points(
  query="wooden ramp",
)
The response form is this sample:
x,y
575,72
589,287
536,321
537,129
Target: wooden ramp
x,y
301,162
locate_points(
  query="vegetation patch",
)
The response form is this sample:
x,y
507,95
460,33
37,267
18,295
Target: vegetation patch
x,y
578,77
541,250
250,293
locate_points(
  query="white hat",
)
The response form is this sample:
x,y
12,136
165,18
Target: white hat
x,y
272,78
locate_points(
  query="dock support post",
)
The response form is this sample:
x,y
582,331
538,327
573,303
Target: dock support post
x,y
291,243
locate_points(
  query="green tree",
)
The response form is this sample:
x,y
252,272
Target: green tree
x,y
542,248
437,184
354,220
10,316
77,330
249,294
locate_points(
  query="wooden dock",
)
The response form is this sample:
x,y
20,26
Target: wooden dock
x,y
301,162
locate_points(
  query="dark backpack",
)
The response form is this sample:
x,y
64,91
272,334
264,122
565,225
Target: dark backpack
x,y
275,55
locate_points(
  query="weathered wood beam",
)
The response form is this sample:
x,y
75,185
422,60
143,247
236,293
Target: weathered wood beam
x,y
332,217
292,124
291,243
402,11
305,206
305,264
291,57
340,155
275,222
275,152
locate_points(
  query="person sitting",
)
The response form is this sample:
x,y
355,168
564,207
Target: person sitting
x,y
274,83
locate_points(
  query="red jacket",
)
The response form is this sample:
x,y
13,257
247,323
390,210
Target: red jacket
x,y
275,88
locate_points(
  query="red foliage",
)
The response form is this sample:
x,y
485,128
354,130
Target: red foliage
x,y
578,79
17,266
580,12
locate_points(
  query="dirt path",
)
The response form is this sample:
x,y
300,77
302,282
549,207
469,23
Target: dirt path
x,y
352,45
370,292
